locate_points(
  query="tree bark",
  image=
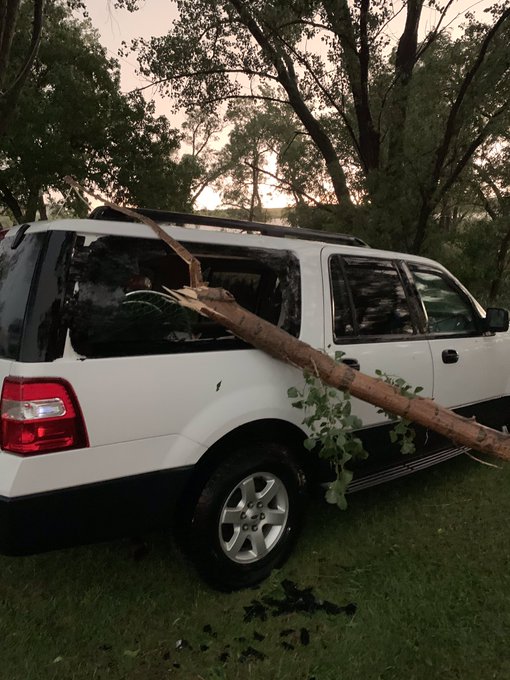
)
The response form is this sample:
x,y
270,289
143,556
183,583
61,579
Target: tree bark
x,y
220,306
288,80
357,63
10,201
404,64
8,15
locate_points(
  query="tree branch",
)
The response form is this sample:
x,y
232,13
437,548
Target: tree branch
x,y
357,68
451,123
327,94
404,63
432,36
195,270
288,81
472,147
9,98
8,15
9,200
293,188
205,72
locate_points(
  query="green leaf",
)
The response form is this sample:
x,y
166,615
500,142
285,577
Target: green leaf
x,y
342,502
292,393
346,477
408,447
131,653
309,444
331,495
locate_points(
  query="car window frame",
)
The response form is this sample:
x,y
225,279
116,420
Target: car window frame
x,y
356,337
407,267
250,254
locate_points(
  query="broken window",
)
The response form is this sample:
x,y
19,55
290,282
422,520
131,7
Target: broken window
x,y
121,306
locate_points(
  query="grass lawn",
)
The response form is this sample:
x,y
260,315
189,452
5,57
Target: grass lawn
x,y
425,559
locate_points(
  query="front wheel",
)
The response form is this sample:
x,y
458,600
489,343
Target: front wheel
x,y
248,516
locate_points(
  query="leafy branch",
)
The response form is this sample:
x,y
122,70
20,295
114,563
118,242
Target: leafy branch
x,y
328,416
332,427
403,432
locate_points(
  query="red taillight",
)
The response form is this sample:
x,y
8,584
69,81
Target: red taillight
x,y
40,416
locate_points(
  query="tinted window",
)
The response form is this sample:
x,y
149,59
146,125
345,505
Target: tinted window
x,y
447,309
380,303
121,308
17,269
342,313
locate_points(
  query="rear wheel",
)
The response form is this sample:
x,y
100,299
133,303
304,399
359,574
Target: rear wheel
x,y
247,516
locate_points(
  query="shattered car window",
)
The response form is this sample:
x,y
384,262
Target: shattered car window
x,y
121,307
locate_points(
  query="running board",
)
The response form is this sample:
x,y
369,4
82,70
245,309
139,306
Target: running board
x,y
403,469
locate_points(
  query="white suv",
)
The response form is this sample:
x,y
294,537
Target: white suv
x,y
121,412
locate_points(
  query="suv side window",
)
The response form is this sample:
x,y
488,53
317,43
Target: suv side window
x,y
448,311
120,307
378,298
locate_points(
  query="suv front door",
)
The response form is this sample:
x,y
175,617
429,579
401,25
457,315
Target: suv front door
x,y
370,317
470,366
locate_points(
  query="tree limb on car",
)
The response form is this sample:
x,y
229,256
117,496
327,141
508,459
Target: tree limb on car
x,y
220,306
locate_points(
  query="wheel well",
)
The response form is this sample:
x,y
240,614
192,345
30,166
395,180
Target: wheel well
x,y
266,430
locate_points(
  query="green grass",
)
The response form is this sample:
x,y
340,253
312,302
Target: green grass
x,y
426,559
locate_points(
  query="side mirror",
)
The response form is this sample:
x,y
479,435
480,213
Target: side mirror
x,y
496,319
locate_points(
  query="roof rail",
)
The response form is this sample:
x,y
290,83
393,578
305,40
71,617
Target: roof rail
x,y
103,212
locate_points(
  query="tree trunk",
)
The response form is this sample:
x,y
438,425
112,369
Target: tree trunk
x,y
10,201
43,213
220,306
31,206
8,14
500,266
9,93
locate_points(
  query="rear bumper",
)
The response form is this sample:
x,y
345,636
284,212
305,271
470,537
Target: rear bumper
x,y
93,512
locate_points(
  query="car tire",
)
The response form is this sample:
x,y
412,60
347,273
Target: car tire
x,y
248,516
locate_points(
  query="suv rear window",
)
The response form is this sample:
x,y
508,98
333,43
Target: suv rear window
x,y
120,307
17,268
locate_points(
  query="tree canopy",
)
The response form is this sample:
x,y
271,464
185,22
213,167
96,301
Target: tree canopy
x,y
396,124
73,119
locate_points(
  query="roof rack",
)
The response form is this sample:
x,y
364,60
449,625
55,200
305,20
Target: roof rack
x,y
103,212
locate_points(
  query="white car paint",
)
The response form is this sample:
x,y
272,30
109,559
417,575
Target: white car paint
x,y
148,413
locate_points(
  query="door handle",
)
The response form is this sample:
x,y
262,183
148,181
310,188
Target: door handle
x,y
450,356
352,363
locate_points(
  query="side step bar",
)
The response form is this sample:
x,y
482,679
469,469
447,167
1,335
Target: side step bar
x,y
403,469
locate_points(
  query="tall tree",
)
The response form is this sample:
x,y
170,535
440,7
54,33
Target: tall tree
x,y
332,63
11,82
72,117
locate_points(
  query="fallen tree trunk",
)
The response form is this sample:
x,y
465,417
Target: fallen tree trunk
x,y
220,306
